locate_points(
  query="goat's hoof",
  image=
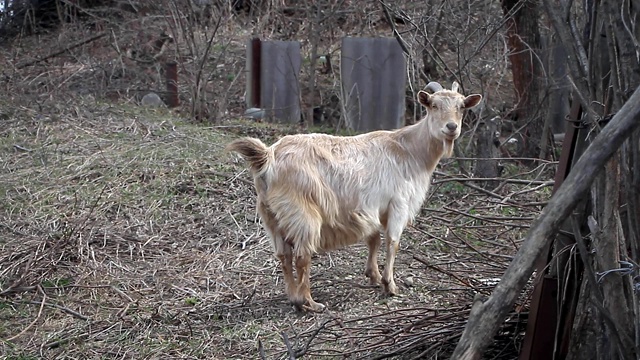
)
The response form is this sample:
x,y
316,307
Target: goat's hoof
x,y
374,279
298,304
315,306
391,289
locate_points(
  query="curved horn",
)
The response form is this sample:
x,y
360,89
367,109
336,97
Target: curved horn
x,y
433,86
455,86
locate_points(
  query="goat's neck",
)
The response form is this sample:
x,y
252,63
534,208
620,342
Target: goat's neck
x,y
424,147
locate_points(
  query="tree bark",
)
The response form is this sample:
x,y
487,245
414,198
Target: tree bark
x,y
631,171
523,38
560,86
608,241
487,153
584,342
576,55
486,316
626,71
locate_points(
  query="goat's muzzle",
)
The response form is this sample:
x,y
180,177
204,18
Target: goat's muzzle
x,y
450,131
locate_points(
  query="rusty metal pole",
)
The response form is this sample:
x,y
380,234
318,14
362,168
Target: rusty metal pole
x,y
171,71
254,72
544,314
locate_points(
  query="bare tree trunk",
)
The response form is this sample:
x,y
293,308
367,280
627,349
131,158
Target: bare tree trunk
x,y
487,152
560,86
610,72
576,54
624,47
486,316
631,173
608,240
620,75
523,36
584,342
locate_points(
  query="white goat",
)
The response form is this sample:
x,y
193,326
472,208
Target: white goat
x,y
320,192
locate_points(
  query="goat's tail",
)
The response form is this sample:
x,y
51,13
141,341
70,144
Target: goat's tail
x,y
252,150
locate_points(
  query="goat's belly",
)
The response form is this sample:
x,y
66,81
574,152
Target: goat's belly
x,y
347,231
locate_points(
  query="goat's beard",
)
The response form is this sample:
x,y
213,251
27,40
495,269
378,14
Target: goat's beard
x,y
447,146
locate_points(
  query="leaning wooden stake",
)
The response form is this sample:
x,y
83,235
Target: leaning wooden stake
x,y
487,316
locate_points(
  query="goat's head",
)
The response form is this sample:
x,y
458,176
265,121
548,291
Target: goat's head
x,y
445,109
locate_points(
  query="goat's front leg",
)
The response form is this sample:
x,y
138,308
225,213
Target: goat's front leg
x,y
372,271
393,232
303,267
387,275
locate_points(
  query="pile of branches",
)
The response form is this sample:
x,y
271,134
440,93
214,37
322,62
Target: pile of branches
x,y
34,16
31,17
413,333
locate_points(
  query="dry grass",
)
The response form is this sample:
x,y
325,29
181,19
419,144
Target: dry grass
x,y
127,233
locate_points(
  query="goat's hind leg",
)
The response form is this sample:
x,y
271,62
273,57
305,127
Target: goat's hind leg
x,y
303,267
285,255
281,246
371,270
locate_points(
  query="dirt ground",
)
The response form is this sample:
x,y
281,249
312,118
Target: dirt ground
x,y
128,233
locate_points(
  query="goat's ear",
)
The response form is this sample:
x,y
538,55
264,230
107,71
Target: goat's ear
x,y
424,98
472,100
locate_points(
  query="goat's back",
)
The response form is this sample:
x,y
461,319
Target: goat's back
x,y
326,192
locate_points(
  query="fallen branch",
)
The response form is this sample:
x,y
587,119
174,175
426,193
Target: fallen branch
x,y
62,308
228,176
508,181
304,350
448,273
263,356
42,303
488,219
54,54
17,284
63,341
292,354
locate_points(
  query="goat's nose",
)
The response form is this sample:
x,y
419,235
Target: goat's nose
x,y
452,126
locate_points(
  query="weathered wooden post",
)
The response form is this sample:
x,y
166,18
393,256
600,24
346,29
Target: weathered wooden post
x,y
373,72
171,72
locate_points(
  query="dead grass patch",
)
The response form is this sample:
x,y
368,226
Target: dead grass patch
x,y
127,232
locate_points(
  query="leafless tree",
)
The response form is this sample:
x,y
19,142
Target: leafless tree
x,y
598,274
523,35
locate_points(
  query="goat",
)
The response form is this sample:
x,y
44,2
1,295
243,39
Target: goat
x,y
318,192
